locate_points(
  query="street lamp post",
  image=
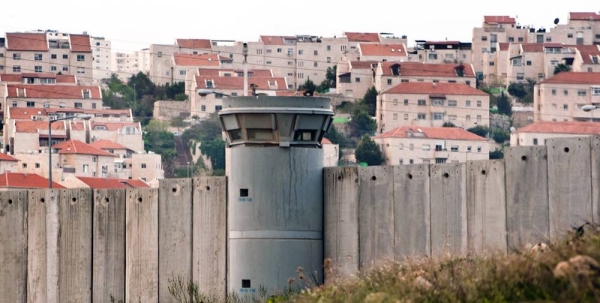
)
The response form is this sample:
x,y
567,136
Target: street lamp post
x,y
84,117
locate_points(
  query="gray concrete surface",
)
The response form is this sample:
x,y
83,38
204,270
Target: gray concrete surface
x,y
526,195
141,246
376,214
595,172
486,206
36,246
411,211
569,184
448,209
108,267
341,221
174,234
209,252
13,247
75,246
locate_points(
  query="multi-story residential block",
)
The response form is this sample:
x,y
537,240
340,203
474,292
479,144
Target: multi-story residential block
x,y
185,63
441,52
130,164
390,74
428,145
128,134
432,104
14,180
84,160
32,136
49,52
538,132
561,97
587,59
125,64
38,78
161,57
102,56
354,78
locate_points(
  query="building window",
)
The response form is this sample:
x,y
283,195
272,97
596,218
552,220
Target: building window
x,y
528,62
30,104
16,56
81,70
520,39
389,81
440,160
581,93
1,67
570,35
438,116
182,72
316,52
421,116
422,103
86,168
491,63
426,147
437,102
395,116
268,62
203,108
300,52
65,56
566,92
86,94
52,68
511,39
452,103
395,102
478,118
478,103
53,56
65,68
540,75
405,101
143,165
454,148
468,118
37,69
405,116
93,105
432,56
24,165
218,108
46,105
478,149
595,90
520,76
357,79
37,57
16,69
565,106
328,47
554,92
468,103
94,159
300,75
80,57
484,38
78,105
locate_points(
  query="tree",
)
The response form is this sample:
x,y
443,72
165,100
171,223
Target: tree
x,y
561,67
368,151
370,99
504,105
361,123
479,130
215,151
517,90
331,76
500,135
337,138
448,124
308,85
323,87
178,122
161,142
497,154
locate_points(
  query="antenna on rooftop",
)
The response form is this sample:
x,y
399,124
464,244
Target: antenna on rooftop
x,y
556,20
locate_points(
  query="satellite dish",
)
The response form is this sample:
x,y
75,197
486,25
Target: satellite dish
x,y
556,21
512,129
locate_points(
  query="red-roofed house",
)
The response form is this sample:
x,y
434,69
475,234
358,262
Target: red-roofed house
x,y
538,132
431,145
8,163
27,136
189,63
587,59
432,104
441,52
81,159
13,180
128,134
390,74
103,183
382,52
49,52
191,45
52,96
561,97
354,78
38,78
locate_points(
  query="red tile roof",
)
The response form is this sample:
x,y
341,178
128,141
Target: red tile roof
x,y
442,42
26,42
194,43
77,125
135,183
107,144
66,79
23,113
276,40
363,64
114,126
36,91
102,183
532,47
503,46
5,157
587,52
584,16
419,69
435,88
215,72
392,50
16,78
20,180
583,128
37,126
11,78
80,44
499,20
574,78
362,37
237,83
80,148
443,133
288,93
196,60
325,141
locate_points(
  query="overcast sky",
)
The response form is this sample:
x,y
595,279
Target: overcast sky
x,y
135,24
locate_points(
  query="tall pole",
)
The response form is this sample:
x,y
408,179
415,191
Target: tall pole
x,y
50,153
134,96
245,53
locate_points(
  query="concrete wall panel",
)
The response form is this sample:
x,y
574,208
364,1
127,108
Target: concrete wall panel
x,y
376,214
141,246
569,184
75,245
448,209
527,220
209,251
13,248
411,211
595,166
486,206
109,245
36,246
174,233
341,221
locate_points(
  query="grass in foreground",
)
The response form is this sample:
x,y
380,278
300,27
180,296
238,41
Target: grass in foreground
x,y
564,271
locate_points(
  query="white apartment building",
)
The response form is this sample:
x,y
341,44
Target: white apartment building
x,y
431,145
432,104
538,132
390,74
48,52
441,52
354,78
102,54
561,97
587,59
382,52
